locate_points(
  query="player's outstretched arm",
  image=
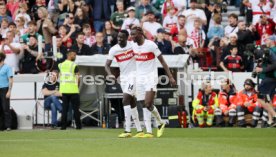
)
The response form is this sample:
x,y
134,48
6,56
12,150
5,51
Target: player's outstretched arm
x,y
166,67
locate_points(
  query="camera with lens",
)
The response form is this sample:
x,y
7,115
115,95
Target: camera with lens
x,y
262,57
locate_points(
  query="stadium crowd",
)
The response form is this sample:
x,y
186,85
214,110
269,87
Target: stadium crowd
x,y
191,27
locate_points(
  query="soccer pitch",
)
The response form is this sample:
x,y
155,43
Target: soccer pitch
x,y
211,142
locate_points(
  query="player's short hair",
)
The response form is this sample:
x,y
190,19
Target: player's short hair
x,y
124,32
137,28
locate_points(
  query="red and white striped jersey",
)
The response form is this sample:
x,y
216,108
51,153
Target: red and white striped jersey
x,y
258,10
145,56
124,57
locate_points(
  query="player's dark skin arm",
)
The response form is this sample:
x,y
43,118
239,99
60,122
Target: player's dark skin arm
x,y
167,70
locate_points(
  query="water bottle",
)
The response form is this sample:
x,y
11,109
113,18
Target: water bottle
x,y
117,122
103,124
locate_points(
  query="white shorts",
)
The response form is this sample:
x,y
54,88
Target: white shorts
x,y
145,84
128,84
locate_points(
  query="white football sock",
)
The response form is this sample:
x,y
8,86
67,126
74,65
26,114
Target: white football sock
x,y
135,117
127,111
147,120
157,115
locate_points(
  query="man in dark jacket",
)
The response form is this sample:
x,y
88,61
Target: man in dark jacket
x,y
246,37
101,12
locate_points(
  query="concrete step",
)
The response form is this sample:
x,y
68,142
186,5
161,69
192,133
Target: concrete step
x,y
225,18
230,12
232,8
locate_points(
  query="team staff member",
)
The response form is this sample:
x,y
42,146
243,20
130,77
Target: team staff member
x,y
205,104
247,103
6,82
69,88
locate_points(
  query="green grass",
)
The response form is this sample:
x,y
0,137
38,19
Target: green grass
x,y
215,142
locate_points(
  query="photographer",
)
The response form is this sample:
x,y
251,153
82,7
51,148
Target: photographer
x,y
268,85
30,52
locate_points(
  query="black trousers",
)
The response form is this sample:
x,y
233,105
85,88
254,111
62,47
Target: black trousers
x,y
74,99
5,113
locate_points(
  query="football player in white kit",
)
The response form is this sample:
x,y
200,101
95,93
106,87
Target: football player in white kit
x,y
124,56
146,52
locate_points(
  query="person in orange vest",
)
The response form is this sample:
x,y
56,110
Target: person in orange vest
x,y
227,103
247,103
204,105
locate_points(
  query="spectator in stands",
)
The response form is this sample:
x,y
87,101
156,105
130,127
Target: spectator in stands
x,y
34,10
4,27
22,12
233,62
264,27
80,17
12,28
149,23
263,7
12,6
66,40
233,42
61,52
246,37
89,38
80,47
100,47
12,50
110,35
21,29
170,19
232,27
204,105
193,14
30,32
53,10
216,31
6,83
69,23
180,5
145,7
181,47
3,13
166,7
179,28
118,17
52,97
131,20
101,12
30,52
197,35
164,45
247,104
45,27
64,7
227,104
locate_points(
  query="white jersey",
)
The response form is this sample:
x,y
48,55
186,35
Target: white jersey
x,y
124,57
145,56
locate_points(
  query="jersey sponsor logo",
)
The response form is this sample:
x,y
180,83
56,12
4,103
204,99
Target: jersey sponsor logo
x,y
144,56
124,56
8,52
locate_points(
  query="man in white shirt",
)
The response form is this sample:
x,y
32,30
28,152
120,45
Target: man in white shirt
x,y
192,14
151,25
11,50
233,25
